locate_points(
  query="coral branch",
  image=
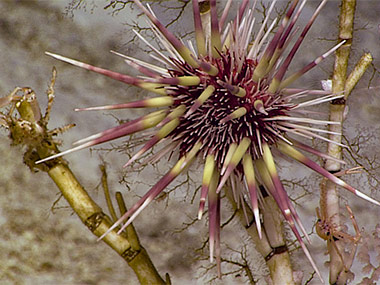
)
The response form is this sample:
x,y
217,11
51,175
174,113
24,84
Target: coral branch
x,y
329,202
31,131
271,244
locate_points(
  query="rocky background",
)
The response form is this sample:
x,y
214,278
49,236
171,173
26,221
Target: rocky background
x,y
42,241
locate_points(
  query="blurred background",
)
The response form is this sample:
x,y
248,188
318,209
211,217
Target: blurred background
x,y
43,242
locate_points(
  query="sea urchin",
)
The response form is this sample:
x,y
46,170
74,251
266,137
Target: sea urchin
x,y
227,102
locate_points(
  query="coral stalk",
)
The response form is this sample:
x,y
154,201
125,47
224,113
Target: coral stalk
x,y
31,131
329,202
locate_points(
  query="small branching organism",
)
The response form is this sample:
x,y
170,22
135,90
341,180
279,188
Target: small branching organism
x,y
30,128
331,233
344,244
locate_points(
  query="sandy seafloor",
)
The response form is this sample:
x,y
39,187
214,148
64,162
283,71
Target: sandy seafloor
x,y
43,242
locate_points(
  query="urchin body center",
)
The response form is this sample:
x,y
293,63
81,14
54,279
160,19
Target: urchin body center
x,y
236,108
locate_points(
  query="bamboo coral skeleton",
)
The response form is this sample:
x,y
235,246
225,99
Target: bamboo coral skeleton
x,y
227,103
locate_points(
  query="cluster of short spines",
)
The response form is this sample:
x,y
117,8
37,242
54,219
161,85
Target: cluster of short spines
x,y
206,93
194,84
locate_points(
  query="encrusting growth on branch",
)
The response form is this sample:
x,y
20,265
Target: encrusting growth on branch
x,y
31,131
